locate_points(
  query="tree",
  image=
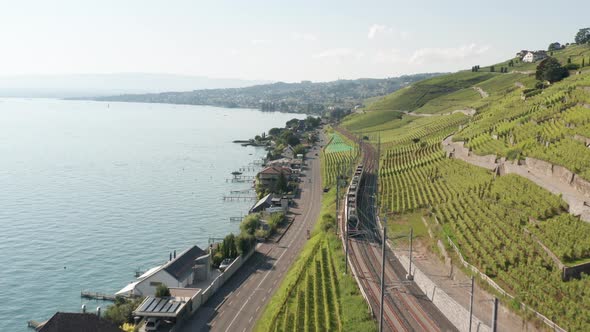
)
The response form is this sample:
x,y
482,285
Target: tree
x,y
583,36
583,62
122,310
274,131
244,243
228,246
162,291
492,69
554,46
282,184
551,70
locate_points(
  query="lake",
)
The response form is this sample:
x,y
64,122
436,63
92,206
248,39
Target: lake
x,y
92,191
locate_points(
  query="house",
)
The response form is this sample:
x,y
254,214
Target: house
x,y
190,267
269,176
271,203
521,54
181,303
534,56
288,152
286,162
76,322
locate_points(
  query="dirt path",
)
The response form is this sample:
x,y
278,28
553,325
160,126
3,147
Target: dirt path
x,y
574,198
467,111
482,93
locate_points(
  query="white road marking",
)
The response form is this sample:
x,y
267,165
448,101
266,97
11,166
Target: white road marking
x,y
273,266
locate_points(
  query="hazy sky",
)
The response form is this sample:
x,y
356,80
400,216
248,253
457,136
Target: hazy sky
x,y
275,40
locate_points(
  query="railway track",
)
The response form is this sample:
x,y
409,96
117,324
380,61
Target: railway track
x,y
406,308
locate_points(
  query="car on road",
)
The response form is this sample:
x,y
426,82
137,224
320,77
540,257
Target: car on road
x,y
152,324
224,264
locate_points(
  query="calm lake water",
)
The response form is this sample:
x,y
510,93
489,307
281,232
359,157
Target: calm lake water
x,y
90,192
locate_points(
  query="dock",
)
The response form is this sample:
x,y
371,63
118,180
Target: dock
x,y
97,296
241,178
239,198
236,219
35,324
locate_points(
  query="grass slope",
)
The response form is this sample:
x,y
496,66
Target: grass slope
x,y
418,94
357,121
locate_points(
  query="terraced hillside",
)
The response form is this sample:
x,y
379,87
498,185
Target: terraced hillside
x,y
551,126
337,157
501,224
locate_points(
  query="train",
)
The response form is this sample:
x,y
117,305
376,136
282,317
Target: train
x,y
351,198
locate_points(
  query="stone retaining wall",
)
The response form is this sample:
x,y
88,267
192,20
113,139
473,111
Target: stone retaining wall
x,y
537,165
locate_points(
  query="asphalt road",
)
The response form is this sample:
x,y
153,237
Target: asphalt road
x,y
238,304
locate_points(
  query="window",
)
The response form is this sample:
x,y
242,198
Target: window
x,y
155,283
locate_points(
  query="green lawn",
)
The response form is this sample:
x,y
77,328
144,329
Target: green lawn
x,y
364,120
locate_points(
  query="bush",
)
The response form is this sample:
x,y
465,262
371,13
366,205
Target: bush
x,y
162,291
261,233
275,220
217,258
328,222
121,311
244,243
250,224
572,66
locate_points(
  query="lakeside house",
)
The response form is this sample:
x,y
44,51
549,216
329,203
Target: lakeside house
x,y
270,175
76,322
271,203
533,56
288,152
191,266
286,162
181,303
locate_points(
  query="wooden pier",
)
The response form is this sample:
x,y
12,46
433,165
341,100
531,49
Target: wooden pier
x,y
239,198
97,296
236,219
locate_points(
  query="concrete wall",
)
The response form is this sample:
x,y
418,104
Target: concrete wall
x,y
222,278
575,271
455,312
540,166
581,185
564,174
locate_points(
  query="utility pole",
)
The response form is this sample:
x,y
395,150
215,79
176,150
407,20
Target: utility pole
x,y
471,304
337,201
410,276
495,315
382,275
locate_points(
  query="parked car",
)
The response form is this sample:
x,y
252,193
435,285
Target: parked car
x,y
224,264
152,324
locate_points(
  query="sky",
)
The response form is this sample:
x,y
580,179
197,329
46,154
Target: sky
x,y
318,40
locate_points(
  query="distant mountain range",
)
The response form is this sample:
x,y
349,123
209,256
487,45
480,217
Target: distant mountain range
x,y
84,85
304,97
